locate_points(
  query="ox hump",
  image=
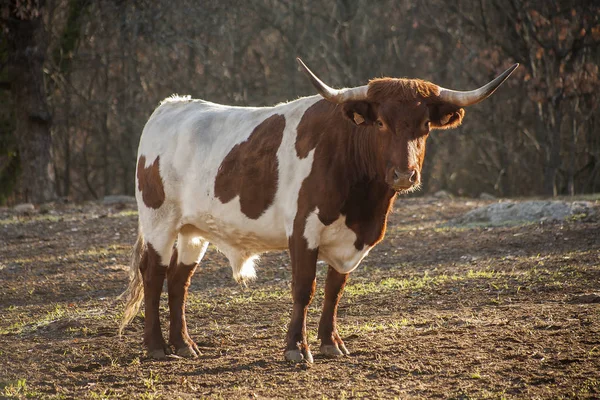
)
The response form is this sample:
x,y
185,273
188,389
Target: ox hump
x,y
150,183
250,170
308,134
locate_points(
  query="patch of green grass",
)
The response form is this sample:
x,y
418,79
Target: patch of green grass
x,y
14,328
151,381
262,294
135,361
455,228
400,228
415,283
548,271
102,395
125,213
580,197
259,295
32,323
93,252
150,396
17,389
370,326
25,322
34,218
389,284
590,386
197,301
559,277
480,274
576,217
58,312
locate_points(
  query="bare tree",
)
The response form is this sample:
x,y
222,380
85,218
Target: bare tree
x,y
26,43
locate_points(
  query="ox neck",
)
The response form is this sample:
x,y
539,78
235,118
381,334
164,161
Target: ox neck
x,y
347,152
346,176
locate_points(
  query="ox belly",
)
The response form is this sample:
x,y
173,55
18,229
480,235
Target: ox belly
x,y
238,237
241,241
247,237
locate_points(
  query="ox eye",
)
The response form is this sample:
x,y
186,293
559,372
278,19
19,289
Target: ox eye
x,y
379,123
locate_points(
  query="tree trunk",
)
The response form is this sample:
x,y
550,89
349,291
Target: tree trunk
x,y
32,127
552,162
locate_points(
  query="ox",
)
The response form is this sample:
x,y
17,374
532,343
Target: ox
x,y
317,176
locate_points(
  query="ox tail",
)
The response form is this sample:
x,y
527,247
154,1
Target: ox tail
x,y
134,294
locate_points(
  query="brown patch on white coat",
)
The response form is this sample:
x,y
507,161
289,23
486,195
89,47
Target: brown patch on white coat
x,y
150,183
250,169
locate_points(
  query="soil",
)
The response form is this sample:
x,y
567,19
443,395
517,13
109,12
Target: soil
x,y
433,312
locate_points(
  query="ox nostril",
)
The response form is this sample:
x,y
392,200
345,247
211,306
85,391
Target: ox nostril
x,y
397,175
413,176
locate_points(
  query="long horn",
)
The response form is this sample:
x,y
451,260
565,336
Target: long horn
x,y
334,95
464,99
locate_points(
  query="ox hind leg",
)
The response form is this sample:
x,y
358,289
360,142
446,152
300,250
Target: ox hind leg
x,y
331,343
153,269
190,250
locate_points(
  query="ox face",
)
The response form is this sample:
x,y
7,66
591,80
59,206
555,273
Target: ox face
x,y
400,130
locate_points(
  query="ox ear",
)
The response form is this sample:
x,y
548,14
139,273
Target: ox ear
x,y
359,112
445,116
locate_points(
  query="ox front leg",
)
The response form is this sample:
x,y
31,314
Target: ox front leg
x,y
153,275
179,276
304,266
331,343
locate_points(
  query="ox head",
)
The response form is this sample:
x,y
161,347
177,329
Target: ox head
x,y
400,113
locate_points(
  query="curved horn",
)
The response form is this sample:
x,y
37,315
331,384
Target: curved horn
x,y
464,99
334,95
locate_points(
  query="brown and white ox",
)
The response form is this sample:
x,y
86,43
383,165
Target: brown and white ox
x,y
317,176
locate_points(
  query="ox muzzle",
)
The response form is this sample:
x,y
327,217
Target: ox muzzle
x,y
403,180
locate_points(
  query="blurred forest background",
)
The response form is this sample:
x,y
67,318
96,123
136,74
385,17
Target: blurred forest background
x,y
79,78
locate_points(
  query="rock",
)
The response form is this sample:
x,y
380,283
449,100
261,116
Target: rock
x,y
47,208
487,196
585,298
118,199
62,324
582,207
514,213
442,194
24,208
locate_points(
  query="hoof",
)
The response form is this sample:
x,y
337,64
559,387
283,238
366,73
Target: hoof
x,y
331,350
187,352
157,354
160,354
297,356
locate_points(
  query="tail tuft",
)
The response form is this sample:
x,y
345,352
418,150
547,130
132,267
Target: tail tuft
x,y
135,291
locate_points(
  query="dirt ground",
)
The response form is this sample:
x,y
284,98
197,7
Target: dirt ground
x,y
432,312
